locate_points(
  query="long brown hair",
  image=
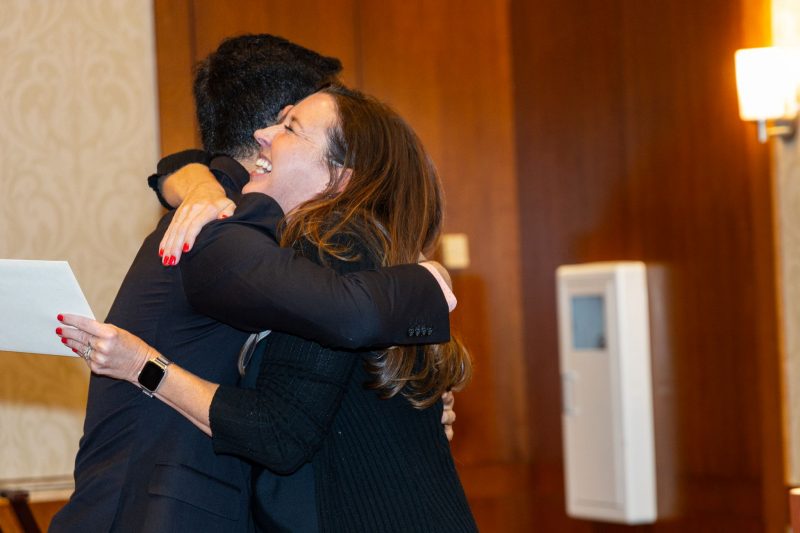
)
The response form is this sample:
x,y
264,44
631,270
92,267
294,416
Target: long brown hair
x,y
385,190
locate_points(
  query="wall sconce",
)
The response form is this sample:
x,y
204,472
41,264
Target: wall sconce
x,y
767,83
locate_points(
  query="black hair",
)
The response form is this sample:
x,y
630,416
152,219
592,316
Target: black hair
x,y
244,84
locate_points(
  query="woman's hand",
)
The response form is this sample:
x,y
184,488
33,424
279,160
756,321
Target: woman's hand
x,y
203,202
107,349
448,413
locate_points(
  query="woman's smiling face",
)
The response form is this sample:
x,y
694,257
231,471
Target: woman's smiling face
x,y
292,165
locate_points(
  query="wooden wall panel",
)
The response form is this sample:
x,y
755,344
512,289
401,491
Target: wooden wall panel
x,y
756,18
175,51
629,147
445,67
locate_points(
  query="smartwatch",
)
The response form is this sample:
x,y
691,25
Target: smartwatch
x,y
152,374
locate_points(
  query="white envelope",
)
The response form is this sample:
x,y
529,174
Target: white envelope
x,y
32,294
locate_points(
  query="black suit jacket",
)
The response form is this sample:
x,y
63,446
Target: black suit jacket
x,y
141,466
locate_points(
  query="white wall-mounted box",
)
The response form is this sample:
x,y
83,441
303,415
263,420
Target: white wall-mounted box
x,y
607,414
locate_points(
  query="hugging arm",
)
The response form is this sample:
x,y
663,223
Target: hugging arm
x,y
281,423
240,276
237,274
171,191
202,187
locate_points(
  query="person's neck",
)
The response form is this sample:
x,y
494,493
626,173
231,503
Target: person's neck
x,y
249,163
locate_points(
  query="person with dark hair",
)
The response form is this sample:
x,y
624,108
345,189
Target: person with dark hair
x,y
358,433
141,466
230,108
239,88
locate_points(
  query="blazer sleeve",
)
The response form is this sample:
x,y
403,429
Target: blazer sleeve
x,y
238,274
282,422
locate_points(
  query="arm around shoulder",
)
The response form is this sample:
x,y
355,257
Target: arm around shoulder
x,y
240,276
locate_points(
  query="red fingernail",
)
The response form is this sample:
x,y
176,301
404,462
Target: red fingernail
x,y
161,252
63,340
165,261
173,260
186,247
58,331
76,351
60,318
223,216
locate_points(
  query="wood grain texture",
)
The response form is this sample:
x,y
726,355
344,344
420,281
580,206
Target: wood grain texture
x,y
630,108
175,58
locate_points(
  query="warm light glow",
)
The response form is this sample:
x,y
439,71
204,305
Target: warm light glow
x,y
766,79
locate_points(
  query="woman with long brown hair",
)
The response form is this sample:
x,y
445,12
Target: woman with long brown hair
x,y
354,438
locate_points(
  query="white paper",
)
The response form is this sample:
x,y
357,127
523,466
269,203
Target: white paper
x,y
32,294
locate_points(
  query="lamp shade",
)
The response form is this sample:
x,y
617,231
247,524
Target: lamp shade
x,y
766,80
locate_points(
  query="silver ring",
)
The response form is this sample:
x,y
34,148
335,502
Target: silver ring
x,y
87,353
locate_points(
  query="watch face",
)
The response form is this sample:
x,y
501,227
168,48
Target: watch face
x,y
151,376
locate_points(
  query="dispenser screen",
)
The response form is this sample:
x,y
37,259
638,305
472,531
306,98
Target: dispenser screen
x,y
588,322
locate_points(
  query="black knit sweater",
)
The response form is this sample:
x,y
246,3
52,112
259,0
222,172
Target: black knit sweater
x,y
379,465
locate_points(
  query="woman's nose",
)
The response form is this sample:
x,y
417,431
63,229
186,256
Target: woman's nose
x,y
264,136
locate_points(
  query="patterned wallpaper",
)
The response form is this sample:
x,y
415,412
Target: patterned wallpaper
x,y
78,134
786,32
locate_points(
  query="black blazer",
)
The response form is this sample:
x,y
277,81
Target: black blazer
x,y
141,466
